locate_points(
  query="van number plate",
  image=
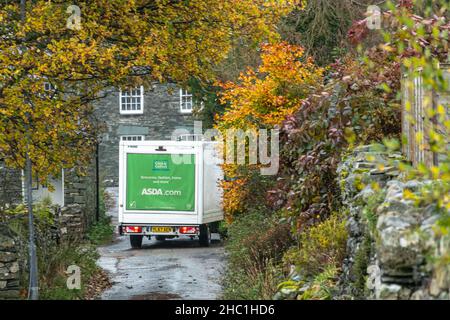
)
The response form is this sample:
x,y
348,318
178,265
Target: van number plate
x,y
162,229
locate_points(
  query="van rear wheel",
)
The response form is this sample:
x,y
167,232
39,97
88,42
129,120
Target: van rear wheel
x,y
136,242
205,235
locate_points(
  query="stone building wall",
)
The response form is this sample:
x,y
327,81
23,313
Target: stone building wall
x,y
10,186
80,207
403,266
160,118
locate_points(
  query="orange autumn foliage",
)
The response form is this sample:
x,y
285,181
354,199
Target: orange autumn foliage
x,y
263,98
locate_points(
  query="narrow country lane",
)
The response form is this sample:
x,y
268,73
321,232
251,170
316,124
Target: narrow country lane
x,y
171,269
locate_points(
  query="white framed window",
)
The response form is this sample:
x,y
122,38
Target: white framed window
x,y
48,87
132,101
49,90
186,102
132,138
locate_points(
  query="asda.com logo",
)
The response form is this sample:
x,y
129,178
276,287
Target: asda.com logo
x,y
160,165
160,192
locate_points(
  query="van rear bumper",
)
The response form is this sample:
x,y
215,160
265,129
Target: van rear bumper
x,y
152,230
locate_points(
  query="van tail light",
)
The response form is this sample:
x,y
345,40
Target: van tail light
x,y
188,230
132,229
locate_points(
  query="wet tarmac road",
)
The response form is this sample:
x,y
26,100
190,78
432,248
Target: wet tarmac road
x,y
170,269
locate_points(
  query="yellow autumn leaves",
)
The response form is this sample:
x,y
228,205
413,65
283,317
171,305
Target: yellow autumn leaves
x,y
120,43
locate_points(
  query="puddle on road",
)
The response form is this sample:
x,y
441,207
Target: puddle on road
x,y
157,296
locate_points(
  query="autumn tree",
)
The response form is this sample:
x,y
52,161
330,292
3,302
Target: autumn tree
x,y
116,43
263,98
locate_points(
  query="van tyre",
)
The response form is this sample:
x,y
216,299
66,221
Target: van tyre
x,y
205,235
136,242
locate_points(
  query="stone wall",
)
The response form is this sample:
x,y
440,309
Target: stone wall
x,y
160,118
67,228
79,211
9,265
406,243
10,186
357,175
391,240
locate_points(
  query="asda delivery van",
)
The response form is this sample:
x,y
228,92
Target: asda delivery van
x,y
168,189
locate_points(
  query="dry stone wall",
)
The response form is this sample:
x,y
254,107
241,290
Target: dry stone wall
x,y
9,265
69,224
392,247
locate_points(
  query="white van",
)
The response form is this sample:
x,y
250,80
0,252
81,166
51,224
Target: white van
x,y
168,189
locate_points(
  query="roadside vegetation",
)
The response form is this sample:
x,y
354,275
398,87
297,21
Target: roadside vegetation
x,y
101,232
323,113
256,242
56,251
320,118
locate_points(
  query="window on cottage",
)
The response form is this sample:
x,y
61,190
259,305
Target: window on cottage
x,y
48,87
186,102
132,138
132,101
49,90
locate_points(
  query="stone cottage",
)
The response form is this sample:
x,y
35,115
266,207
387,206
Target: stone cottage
x,y
10,186
143,113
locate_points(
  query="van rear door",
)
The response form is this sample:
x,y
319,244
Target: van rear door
x,y
158,182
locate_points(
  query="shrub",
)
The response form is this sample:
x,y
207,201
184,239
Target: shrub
x,y
244,190
350,108
252,284
319,287
369,211
53,266
322,286
101,232
320,246
222,229
256,245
